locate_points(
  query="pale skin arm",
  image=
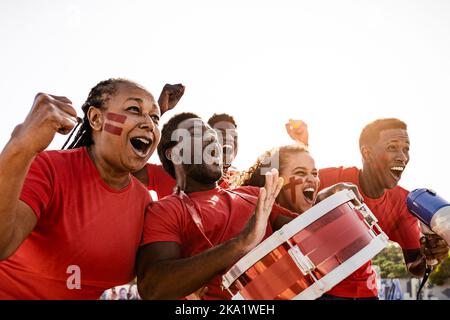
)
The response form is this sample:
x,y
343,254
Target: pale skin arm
x,y
49,114
163,274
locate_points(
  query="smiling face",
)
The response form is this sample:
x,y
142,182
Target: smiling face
x,y
199,150
301,180
228,138
388,157
125,131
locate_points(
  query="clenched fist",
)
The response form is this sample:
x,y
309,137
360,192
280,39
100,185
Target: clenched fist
x,y
49,114
169,97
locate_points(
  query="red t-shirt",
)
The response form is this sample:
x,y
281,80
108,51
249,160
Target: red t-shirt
x,y
159,180
224,215
82,222
162,182
393,217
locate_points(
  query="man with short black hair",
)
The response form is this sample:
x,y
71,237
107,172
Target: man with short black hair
x,y
384,146
226,128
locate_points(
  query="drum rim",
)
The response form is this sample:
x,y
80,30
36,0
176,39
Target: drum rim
x,y
344,270
341,272
285,233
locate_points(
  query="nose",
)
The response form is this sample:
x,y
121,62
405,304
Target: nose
x,y
147,124
310,177
402,157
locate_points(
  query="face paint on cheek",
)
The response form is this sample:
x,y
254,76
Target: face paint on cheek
x,y
114,117
291,186
112,129
120,118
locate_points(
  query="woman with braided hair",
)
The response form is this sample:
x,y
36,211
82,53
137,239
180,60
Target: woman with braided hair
x,y
71,221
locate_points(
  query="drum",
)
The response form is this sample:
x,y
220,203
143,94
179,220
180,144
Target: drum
x,y
309,255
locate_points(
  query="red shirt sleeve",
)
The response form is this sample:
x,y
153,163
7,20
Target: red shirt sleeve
x,y
163,222
407,234
38,187
406,231
276,209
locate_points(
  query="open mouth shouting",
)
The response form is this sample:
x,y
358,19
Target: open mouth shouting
x,y
309,193
141,146
397,171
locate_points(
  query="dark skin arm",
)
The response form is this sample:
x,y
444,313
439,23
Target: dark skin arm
x,y
160,268
50,114
163,274
432,247
170,96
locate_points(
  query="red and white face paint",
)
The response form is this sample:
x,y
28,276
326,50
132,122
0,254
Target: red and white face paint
x,y
129,132
112,121
301,182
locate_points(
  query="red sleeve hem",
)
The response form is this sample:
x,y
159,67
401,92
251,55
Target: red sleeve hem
x,y
29,202
161,239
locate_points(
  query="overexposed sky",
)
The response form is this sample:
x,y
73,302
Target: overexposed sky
x,y
335,64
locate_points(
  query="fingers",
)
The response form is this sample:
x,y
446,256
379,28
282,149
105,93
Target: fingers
x,y
273,187
434,247
356,192
261,199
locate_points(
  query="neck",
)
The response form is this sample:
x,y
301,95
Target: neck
x,y
113,178
370,184
192,185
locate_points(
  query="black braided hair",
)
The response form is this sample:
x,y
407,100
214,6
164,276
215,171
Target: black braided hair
x,y
98,96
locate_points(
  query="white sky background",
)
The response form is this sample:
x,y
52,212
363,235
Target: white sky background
x,y
336,64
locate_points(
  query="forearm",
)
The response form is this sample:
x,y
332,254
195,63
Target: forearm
x,y
14,165
173,279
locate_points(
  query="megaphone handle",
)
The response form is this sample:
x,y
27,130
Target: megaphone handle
x,y
427,232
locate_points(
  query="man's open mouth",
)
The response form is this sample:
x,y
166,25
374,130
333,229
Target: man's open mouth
x,y
397,171
141,146
308,193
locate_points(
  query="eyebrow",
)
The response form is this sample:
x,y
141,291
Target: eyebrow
x,y
138,100
396,140
303,168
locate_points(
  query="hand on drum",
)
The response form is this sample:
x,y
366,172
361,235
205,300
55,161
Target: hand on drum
x,y
256,227
325,193
433,247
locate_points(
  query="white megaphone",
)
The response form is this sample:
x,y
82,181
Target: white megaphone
x,y
431,210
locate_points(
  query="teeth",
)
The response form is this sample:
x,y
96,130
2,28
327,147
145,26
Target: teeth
x,y
143,140
309,190
397,168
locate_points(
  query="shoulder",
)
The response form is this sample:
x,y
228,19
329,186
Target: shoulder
x,y
339,170
58,158
248,190
333,175
156,169
400,191
56,161
169,204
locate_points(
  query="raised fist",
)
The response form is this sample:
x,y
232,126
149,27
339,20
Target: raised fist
x,y
169,97
48,115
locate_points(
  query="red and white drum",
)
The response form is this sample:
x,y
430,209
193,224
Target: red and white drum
x,y
311,254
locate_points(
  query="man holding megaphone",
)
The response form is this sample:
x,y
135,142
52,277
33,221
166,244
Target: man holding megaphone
x,y
384,146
